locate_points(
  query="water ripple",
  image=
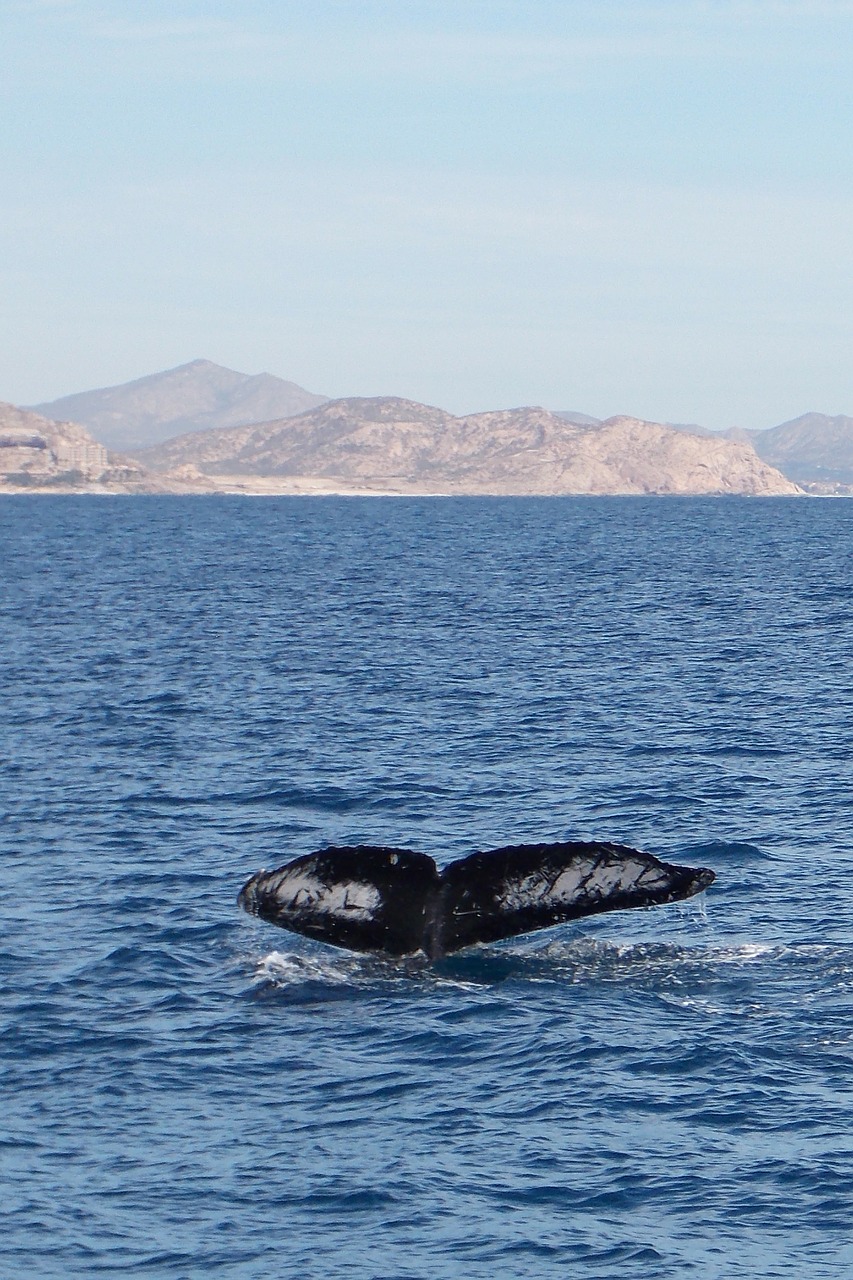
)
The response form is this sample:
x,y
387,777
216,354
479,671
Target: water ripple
x,y
197,688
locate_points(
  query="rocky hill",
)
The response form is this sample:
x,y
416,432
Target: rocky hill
x,y
194,396
34,449
38,454
395,445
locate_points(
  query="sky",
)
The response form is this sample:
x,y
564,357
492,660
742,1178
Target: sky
x,y
597,205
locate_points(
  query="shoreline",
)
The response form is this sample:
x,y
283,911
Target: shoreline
x,y
329,491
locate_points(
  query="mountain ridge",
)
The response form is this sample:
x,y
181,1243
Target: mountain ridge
x,y
173,422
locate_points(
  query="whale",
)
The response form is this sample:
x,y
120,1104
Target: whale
x,y
397,902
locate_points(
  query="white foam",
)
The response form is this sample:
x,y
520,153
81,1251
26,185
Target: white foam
x,y
343,969
287,968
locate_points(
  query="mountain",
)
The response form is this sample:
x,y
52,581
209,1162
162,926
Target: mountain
x,y
39,454
197,395
395,445
814,450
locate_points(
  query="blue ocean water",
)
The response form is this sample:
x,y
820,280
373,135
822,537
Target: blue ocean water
x,y
195,688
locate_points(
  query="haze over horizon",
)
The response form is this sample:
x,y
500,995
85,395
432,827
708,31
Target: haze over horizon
x,y
640,208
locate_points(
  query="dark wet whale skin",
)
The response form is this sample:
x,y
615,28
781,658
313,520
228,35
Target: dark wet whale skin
x,y
396,901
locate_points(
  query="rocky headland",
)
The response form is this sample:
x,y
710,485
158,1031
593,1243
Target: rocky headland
x,y
392,445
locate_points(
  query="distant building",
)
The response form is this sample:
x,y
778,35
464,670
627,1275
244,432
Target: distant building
x,y
90,458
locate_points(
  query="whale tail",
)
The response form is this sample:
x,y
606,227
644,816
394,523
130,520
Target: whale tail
x,y
370,898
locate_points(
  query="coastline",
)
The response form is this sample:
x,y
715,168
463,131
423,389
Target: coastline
x,y
306,489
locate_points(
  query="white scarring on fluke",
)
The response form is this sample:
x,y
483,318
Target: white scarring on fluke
x,y
351,900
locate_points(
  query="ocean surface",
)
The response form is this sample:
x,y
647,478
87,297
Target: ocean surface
x,y
194,688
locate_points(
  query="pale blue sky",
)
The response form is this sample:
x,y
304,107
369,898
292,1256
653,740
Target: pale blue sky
x,y
592,204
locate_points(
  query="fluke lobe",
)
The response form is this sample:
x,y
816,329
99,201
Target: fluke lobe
x,y
397,901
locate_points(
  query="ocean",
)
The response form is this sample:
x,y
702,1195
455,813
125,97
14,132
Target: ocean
x,y
195,688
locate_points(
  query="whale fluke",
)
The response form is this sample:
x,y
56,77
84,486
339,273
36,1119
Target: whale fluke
x,y
369,898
